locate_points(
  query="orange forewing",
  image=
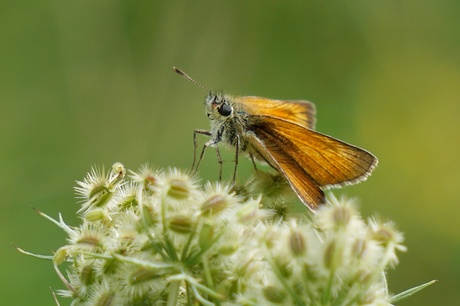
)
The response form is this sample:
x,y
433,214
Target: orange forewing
x,y
308,159
300,112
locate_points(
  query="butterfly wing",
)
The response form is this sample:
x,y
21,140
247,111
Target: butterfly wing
x,y
304,186
300,112
308,159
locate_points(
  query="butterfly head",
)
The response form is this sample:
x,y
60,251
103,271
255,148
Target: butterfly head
x,y
217,107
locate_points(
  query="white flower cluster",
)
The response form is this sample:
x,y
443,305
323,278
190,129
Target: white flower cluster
x,y
159,238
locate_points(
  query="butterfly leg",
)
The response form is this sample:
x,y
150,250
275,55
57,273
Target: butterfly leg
x,y
219,160
237,151
195,132
253,161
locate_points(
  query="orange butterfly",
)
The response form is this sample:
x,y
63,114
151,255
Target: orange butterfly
x,y
282,134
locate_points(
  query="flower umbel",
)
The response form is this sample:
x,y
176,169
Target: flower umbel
x,y
159,238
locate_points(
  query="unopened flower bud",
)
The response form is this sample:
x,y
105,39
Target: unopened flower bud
x,y
297,243
274,295
178,189
61,255
181,224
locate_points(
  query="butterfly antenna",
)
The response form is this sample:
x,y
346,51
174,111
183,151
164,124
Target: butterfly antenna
x,y
180,72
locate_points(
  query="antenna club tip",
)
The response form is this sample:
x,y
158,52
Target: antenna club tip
x,y
180,72
177,70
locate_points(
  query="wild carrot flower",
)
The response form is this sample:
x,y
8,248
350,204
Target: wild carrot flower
x,y
158,237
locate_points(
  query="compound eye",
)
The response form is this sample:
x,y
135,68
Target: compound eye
x,y
225,110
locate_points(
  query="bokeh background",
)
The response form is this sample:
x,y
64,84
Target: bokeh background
x,y
90,82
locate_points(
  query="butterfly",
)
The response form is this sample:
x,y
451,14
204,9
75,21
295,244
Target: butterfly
x,y
282,133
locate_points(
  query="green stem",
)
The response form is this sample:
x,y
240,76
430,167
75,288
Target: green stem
x,y
208,276
194,285
310,293
173,293
327,293
195,257
190,239
297,299
158,248
207,272
169,246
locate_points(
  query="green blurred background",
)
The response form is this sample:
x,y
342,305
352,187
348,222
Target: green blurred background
x,y
90,82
